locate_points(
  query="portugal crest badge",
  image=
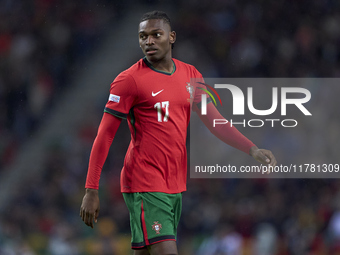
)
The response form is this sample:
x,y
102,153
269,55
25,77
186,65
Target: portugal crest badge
x,y
157,227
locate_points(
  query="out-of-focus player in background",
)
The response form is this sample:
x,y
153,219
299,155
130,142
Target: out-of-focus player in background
x,y
156,98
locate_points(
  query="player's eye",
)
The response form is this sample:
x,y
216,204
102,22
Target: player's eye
x,y
142,36
157,34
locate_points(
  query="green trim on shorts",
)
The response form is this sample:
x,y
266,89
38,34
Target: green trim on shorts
x,y
154,217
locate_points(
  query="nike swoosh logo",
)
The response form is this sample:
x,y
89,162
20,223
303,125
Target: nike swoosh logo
x,y
155,94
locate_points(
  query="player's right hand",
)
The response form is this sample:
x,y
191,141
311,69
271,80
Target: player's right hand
x,y
89,209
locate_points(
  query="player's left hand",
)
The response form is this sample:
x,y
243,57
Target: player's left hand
x,y
263,156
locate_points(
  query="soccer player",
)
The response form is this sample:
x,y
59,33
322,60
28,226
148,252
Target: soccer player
x,y
156,97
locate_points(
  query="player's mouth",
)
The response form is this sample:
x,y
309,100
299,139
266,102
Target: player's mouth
x,y
151,51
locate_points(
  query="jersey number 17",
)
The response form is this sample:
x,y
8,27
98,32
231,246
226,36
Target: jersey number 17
x,y
159,106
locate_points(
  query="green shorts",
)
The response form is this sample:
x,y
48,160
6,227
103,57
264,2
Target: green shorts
x,y
154,217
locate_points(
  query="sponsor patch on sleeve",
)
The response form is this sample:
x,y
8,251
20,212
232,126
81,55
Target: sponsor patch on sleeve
x,y
114,98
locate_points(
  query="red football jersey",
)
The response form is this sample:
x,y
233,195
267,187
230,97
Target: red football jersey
x,y
157,106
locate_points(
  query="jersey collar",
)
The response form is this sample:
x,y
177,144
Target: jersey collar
x,y
159,71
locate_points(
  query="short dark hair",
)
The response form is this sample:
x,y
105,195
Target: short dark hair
x,y
156,15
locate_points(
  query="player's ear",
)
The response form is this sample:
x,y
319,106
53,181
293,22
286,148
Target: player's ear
x,y
172,37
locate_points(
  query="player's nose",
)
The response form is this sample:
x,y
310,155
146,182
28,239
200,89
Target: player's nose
x,y
149,40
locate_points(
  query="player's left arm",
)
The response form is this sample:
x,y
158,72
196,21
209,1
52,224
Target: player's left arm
x,y
231,136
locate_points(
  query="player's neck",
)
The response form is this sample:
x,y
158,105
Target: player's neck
x,y
164,64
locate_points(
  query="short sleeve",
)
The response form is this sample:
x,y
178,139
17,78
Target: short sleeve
x,y
123,95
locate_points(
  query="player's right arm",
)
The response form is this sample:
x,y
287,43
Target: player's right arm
x,y
123,94
90,206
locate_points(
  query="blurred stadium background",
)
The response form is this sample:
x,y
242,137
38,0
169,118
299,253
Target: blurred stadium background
x,y
57,60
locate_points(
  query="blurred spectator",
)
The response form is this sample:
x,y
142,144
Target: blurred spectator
x,y
225,241
265,239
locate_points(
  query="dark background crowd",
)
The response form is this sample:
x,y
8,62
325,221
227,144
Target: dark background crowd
x,y
43,42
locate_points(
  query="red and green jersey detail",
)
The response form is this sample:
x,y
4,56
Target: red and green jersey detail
x,y
157,106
